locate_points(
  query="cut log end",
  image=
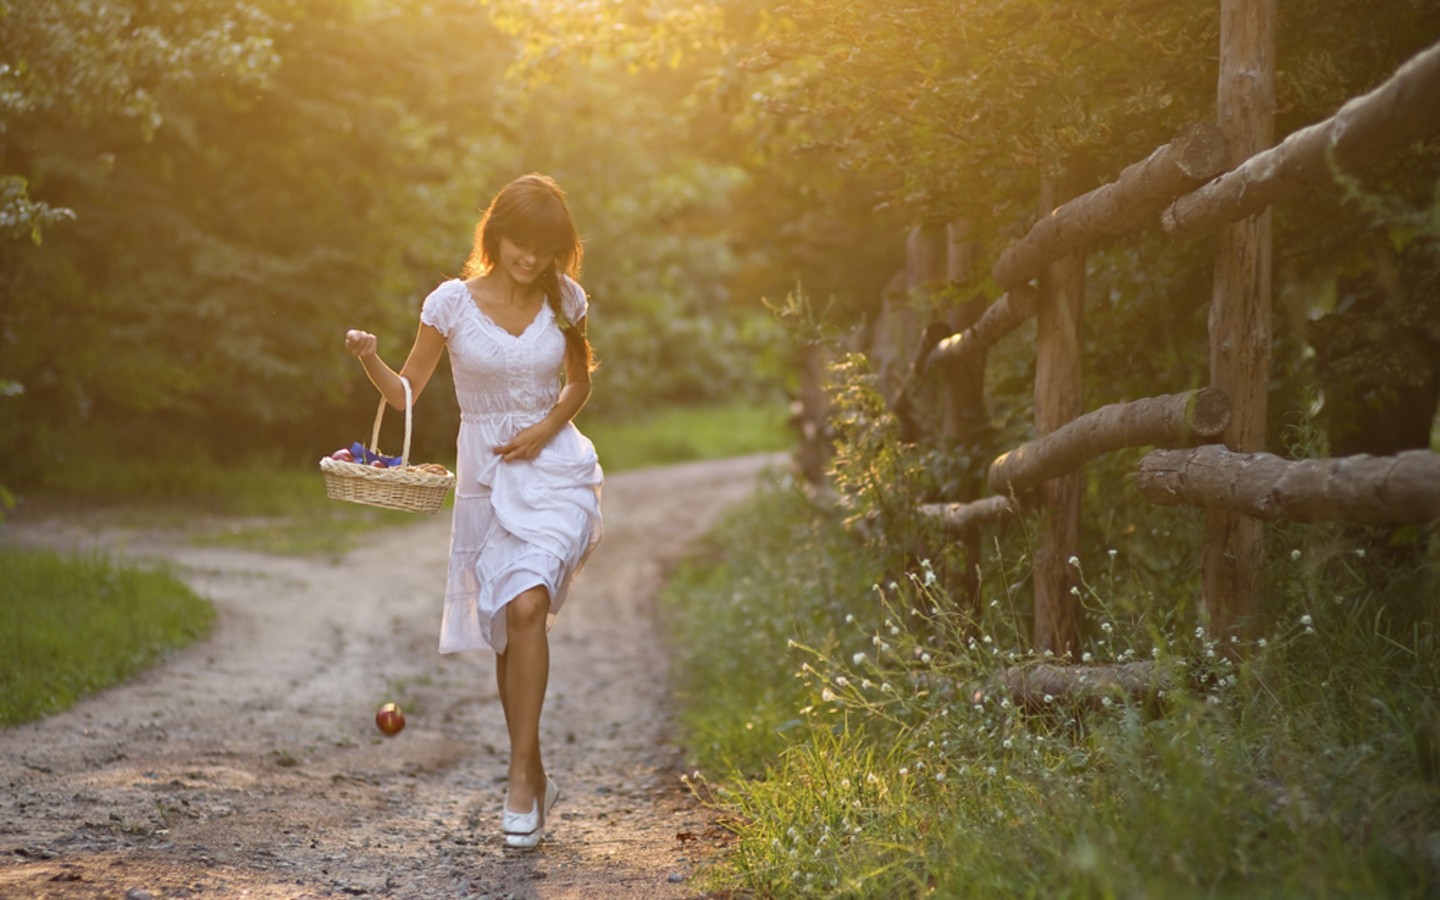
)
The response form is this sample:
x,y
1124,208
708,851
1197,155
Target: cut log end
x,y
1199,150
1209,412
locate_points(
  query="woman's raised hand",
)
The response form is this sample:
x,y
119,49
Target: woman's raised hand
x,y
360,343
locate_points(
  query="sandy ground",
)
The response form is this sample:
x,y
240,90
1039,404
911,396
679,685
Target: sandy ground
x,y
249,765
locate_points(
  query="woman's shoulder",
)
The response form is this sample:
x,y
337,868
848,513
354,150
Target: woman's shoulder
x,y
448,291
443,303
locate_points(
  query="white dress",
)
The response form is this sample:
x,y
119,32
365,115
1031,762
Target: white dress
x,y
517,525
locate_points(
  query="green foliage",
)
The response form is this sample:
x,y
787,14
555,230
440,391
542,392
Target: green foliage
x,y
890,765
71,626
304,168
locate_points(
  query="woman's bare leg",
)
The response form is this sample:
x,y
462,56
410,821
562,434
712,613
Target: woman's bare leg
x,y
522,673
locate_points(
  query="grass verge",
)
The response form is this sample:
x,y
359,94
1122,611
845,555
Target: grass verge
x,y
685,434
851,730
70,626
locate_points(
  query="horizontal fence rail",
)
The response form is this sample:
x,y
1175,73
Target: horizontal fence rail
x,y
1185,188
1368,490
1404,109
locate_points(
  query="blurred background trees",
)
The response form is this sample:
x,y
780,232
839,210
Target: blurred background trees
x,y
197,200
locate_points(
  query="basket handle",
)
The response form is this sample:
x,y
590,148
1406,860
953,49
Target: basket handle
x,y
380,417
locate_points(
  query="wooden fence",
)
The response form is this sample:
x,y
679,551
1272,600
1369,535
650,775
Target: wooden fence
x,y
1219,178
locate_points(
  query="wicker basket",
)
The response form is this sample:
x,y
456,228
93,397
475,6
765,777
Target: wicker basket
x,y
403,488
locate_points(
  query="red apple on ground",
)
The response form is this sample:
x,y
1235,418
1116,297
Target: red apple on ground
x,y
390,719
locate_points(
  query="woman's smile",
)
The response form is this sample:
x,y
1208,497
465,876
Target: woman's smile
x,y
522,263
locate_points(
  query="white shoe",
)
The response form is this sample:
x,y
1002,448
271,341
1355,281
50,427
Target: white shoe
x,y
524,831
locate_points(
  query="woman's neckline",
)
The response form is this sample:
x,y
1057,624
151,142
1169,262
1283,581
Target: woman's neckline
x,y
475,302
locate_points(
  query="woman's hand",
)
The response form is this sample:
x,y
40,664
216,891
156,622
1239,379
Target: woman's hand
x,y
527,444
361,343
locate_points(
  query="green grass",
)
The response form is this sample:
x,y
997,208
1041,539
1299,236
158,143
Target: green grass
x,y
262,505
279,506
72,625
684,434
832,715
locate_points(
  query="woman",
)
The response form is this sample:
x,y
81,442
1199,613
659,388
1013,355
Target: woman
x,y
527,496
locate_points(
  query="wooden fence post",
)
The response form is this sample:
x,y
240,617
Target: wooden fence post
x,y
1234,553
1057,402
965,419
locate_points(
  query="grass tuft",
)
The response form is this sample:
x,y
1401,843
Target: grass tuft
x,y
70,626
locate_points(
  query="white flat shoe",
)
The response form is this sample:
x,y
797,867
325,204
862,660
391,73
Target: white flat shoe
x,y
524,831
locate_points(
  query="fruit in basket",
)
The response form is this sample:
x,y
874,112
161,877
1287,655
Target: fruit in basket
x,y
366,457
380,464
343,455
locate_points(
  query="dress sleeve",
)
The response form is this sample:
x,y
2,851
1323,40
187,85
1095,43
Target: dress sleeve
x,y
441,308
575,305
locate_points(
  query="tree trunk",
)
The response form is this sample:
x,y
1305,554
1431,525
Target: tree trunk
x,y
810,414
1058,402
1402,110
1363,489
1135,198
1234,553
919,402
1174,420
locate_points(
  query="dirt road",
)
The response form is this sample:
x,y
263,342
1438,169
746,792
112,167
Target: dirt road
x,y
249,765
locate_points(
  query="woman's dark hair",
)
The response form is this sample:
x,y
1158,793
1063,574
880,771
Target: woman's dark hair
x,y
531,212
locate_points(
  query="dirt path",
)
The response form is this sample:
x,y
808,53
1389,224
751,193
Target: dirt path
x,y
249,765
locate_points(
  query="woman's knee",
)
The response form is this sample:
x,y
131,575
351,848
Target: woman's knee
x,y
528,611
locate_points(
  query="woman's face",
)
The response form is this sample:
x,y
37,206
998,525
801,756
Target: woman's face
x,y
522,264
